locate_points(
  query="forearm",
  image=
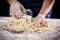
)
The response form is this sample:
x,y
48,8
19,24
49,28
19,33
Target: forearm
x,y
47,5
12,1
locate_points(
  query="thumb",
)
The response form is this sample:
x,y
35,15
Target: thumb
x,y
23,10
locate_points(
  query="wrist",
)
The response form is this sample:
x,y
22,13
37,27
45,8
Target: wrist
x,y
11,2
42,14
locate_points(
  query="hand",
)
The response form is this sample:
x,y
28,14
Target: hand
x,y
16,10
39,17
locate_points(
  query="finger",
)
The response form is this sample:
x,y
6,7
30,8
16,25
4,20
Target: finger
x,y
11,13
18,14
14,12
23,10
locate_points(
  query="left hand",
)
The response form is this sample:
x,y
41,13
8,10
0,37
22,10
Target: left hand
x,y
17,10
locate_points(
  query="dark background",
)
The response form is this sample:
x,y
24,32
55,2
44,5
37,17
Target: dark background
x,y
56,9
4,8
55,13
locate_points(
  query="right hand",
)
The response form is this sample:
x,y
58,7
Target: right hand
x,y
17,10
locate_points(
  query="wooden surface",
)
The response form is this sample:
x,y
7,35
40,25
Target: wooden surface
x,y
50,35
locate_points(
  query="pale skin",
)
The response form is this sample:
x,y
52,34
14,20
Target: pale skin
x,y
15,8
46,7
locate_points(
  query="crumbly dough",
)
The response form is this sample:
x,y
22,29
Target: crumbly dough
x,y
27,23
